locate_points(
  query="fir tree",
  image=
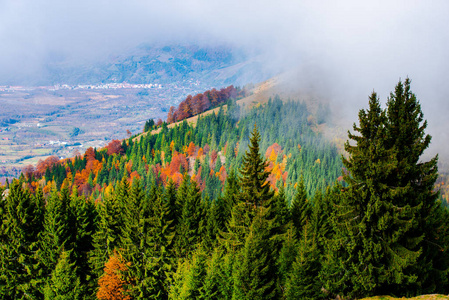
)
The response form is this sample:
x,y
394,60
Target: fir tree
x,y
107,235
413,182
192,223
134,241
213,280
287,256
18,243
160,260
253,179
189,278
81,217
55,236
301,209
302,282
255,275
388,210
231,192
64,283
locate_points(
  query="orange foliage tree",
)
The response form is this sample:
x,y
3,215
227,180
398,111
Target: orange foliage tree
x,y
201,102
28,171
43,165
222,175
112,285
114,147
191,149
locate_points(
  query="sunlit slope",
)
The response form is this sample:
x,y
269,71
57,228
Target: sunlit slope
x,y
285,88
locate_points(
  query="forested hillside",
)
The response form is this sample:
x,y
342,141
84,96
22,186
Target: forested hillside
x,y
247,204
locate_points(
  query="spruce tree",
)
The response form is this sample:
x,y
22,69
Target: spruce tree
x,y
212,286
279,211
134,240
64,283
56,234
159,246
107,235
368,225
413,181
255,275
302,281
254,198
81,219
192,224
18,243
301,208
253,180
189,278
388,212
287,256
230,195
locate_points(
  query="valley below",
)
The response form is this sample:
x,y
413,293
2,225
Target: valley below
x,y
41,121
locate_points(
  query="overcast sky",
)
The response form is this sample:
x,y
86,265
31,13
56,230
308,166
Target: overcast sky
x,y
345,48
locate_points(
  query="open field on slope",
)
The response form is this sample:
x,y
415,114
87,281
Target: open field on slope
x,y
260,94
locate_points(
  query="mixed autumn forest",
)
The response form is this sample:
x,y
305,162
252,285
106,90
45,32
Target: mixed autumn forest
x,y
244,204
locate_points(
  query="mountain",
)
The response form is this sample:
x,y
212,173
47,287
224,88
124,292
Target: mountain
x,y
214,65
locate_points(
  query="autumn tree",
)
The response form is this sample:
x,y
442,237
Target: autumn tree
x,y
114,147
113,285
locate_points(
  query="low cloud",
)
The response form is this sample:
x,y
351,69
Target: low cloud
x,y
344,49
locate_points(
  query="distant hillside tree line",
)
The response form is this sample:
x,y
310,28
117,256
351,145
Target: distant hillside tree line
x,y
199,103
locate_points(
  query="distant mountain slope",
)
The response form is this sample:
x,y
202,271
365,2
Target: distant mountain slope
x,y
215,65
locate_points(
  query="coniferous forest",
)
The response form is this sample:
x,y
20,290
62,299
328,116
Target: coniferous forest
x,y
246,204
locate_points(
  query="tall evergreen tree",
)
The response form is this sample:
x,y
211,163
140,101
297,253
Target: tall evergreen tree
x,y
189,278
301,209
230,196
413,182
366,241
287,256
64,283
159,246
253,179
192,224
81,216
55,236
383,219
134,241
255,275
107,235
302,282
18,243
